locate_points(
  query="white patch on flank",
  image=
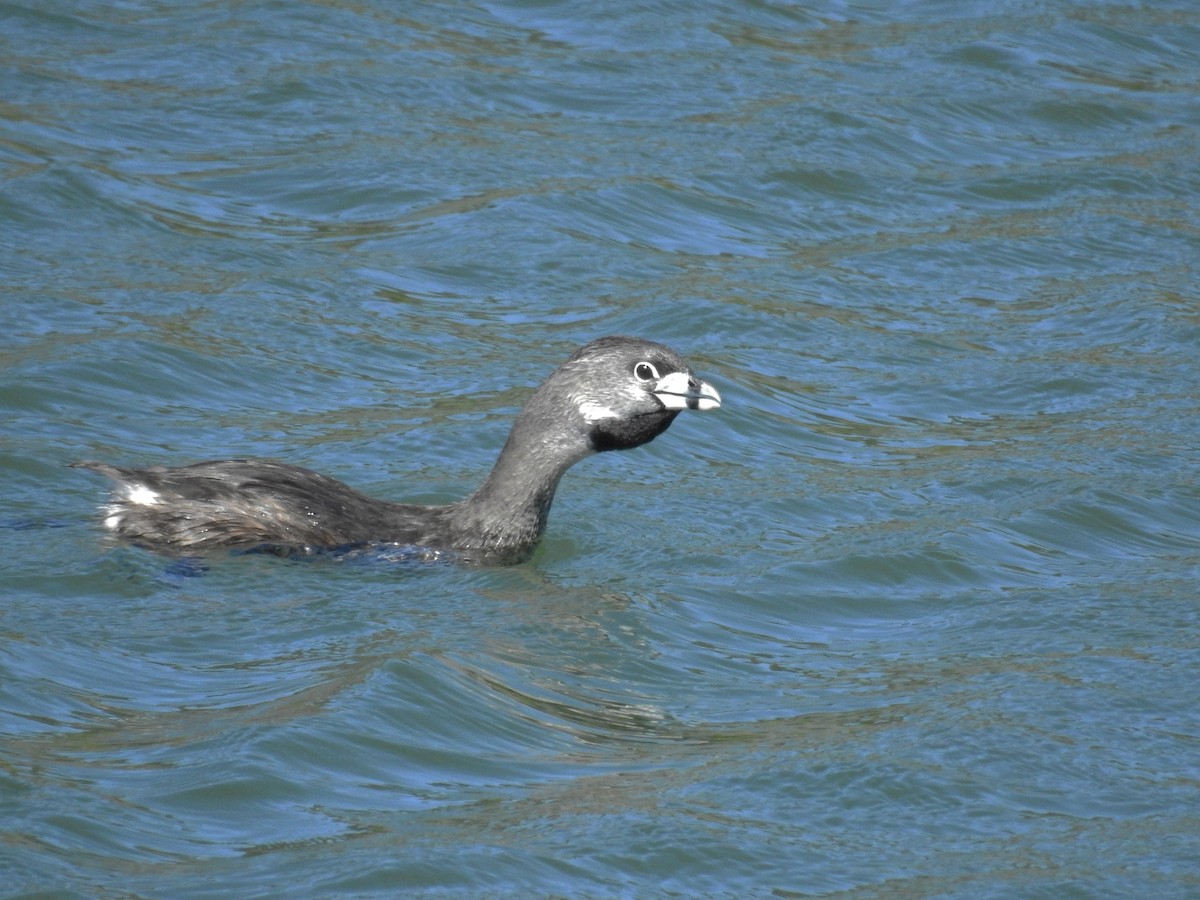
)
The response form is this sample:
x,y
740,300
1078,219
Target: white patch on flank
x,y
112,517
141,495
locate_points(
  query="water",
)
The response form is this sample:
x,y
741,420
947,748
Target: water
x,y
914,614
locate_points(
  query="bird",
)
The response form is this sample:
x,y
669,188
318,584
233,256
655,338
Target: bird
x,y
614,393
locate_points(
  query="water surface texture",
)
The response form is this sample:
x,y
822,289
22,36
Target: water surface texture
x,y
915,614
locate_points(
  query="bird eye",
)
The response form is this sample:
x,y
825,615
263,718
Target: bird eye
x,y
645,371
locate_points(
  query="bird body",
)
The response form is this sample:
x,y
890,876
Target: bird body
x,y
612,394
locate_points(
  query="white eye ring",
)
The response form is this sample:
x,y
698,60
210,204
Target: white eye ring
x,y
645,371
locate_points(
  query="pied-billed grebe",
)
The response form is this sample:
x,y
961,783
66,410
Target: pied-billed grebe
x,y
612,394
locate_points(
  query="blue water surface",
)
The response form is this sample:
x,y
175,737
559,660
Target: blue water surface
x,y
914,614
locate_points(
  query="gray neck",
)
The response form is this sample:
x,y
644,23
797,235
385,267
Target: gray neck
x,y
512,505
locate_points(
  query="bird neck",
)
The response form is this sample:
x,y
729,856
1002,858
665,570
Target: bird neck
x,y
512,505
